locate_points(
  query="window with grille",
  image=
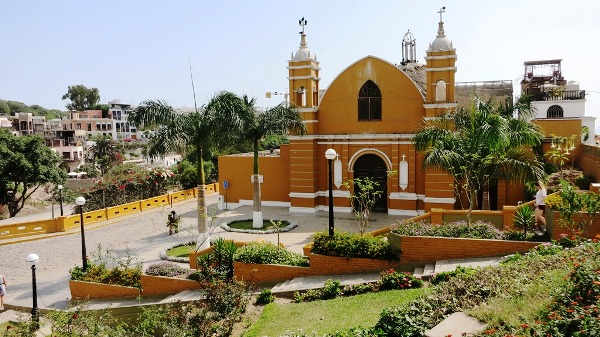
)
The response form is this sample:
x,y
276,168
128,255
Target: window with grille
x,y
555,111
369,102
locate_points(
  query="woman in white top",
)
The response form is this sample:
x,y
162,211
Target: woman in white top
x,y
2,291
540,205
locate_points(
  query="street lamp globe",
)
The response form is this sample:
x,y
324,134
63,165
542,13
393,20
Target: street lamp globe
x,y
32,259
60,187
80,201
330,154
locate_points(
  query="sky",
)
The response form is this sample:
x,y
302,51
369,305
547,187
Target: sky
x,y
137,50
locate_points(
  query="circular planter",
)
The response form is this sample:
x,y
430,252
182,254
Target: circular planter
x,y
291,225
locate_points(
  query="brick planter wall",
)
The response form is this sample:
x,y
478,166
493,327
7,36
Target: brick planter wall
x,y
154,285
421,249
259,273
319,265
82,290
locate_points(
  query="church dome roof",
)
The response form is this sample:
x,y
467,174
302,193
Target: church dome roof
x,y
303,52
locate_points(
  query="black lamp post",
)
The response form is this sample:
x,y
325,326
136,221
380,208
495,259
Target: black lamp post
x,y
330,155
60,188
33,259
80,201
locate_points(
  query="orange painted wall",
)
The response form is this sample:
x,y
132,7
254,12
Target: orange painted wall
x,y
237,170
402,104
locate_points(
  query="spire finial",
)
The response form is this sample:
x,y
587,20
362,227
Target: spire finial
x,y
302,22
441,32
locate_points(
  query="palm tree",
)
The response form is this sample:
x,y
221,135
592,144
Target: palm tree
x,y
255,125
104,152
479,145
176,131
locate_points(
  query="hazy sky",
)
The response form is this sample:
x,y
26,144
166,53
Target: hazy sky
x,y
137,50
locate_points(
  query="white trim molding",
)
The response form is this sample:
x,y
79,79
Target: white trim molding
x,y
440,105
308,66
405,212
336,194
432,200
440,57
403,196
441,69
307,77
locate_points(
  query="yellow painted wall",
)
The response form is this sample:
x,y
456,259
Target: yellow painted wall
x,y
237,170
402,104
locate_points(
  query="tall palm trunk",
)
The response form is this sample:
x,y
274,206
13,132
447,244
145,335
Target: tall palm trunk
x,y
257,216
203,241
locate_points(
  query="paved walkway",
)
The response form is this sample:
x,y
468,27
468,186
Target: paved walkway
x,y
144,235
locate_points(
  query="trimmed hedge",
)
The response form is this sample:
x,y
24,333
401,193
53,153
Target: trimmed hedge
x,y
353,245
268,253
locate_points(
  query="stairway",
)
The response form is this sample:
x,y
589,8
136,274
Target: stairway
x,y
428,270
287,288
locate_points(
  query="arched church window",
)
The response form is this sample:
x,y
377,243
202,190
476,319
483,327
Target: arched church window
x,y
440,91
369,102
555,111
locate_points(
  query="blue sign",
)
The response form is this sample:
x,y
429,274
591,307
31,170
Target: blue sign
x,y
225,183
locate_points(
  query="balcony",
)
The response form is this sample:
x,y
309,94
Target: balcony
x,y
558,95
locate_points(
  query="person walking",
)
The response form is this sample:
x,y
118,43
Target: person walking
x,y
540,205
2,291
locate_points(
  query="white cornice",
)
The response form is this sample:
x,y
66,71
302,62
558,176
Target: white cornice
x,y
309,77
441,69
440,105
432,200
441,57
309,66
331,139
403,196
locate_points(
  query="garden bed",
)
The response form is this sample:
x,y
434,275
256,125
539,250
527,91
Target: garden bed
x,y
286,227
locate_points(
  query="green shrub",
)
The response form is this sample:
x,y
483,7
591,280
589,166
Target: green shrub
x,y
265,297
165,268
520,236
361,288
353,245
269,253
446,275
391,279
458,229
99,273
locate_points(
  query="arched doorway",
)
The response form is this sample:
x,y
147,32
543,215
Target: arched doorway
x,y
370,165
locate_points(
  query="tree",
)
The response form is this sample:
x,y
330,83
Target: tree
x,y
4,108
257,124
201,129
578,210
81,97
479,145
26,163
366,193
105,152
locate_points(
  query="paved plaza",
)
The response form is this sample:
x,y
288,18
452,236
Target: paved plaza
x,y
144,234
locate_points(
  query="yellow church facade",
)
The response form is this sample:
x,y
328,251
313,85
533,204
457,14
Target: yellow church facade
x,y
368,115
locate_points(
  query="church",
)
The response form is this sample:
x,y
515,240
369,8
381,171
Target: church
x,y
368,115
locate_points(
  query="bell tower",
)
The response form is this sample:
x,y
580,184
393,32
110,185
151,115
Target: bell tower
x,y
441,71
303,76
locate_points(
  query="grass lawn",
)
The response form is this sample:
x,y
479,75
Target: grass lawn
x,y
247,224
181,251
329,316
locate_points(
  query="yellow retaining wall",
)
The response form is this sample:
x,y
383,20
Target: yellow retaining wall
x,y
61,224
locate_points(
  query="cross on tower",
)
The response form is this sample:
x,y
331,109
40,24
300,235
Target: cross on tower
x,y
442,10
302,23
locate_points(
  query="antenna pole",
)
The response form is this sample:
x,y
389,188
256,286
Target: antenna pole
x,y
193,88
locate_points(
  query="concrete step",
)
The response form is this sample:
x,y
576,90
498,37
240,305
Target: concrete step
x,y
184,296
450,265
317,282
418,271
457,324
429,270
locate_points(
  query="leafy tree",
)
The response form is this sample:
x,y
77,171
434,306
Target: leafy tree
x,y
16,107
81,97
578,210
202,129
479,145
26,163
255,126
366,192
105,152
4,108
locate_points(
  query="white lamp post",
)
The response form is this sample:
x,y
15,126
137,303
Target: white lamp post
x,y
60,188
80,201
330,154
33,259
